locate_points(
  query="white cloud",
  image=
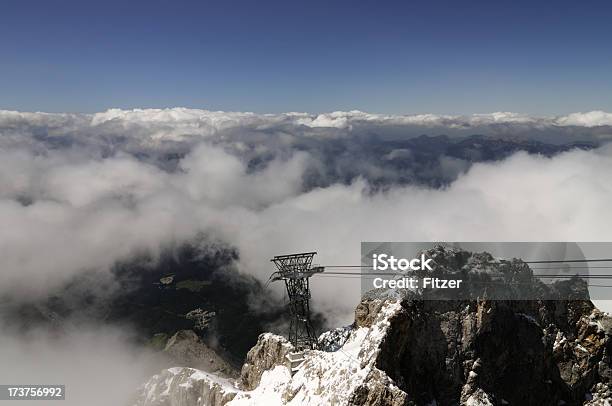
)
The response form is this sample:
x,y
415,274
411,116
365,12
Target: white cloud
x,y
89,361
62,215
524,198
158,125
589,119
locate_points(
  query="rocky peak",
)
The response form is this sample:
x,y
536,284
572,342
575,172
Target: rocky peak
x,y
187,349
271,350
451,352
402,350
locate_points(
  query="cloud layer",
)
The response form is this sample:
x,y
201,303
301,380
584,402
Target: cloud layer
x,y
73,199
149,131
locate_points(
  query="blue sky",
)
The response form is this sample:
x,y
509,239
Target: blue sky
x,y
271,56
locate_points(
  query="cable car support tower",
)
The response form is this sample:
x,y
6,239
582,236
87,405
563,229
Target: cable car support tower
x,y
295,270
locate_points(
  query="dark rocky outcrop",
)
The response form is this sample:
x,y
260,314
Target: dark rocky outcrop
x,y
519,352
523,353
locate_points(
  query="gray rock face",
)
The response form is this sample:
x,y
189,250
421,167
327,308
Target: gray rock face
x,y
184,387
523,352
269,352
334,339
186,349
518,353
366,312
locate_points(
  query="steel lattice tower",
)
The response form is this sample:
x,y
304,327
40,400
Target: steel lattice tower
x,y
295,270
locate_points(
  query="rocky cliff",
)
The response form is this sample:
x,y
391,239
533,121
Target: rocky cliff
x,y
404,351
346,376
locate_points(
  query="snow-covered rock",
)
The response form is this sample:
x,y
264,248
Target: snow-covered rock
x,y
187,349
334,339
346,376
185,387
404,351
270,351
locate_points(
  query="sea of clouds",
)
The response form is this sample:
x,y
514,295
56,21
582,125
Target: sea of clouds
x,y
80,191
